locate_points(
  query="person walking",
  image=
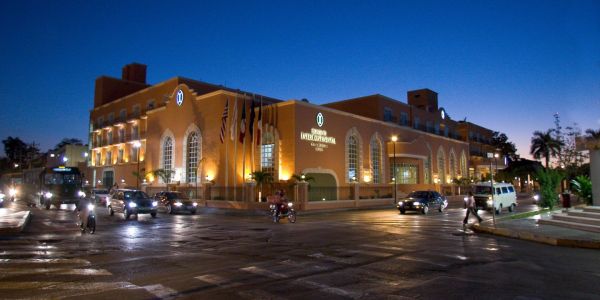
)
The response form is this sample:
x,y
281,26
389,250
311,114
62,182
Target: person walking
x,y
471,209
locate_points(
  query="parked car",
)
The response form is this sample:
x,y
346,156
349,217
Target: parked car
x,y
100,196
131,202
504,196
176,202
422,201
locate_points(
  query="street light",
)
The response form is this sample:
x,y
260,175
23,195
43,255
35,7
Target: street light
x,y
394,140
137,146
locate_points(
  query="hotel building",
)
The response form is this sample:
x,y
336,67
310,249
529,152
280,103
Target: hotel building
x,y
185,134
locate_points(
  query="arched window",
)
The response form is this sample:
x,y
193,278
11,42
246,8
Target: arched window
x,y
452,165
376,160
192,157
168,158
267,153
441,166
352,146
463,164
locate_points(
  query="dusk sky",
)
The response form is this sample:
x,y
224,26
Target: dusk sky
x,y
505,65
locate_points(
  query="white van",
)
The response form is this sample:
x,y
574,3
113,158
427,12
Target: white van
x,y
504,196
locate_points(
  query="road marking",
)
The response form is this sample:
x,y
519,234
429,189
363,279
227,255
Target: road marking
x,y
48,285
54,271
259,294
369,253
329,289
160,291
217,280
340,260
263,272
76,261
392,248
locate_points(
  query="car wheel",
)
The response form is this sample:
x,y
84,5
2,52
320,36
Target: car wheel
x,y
126,213
111,211
402,211
511,208
425,209
499,210
441,209
170,209
152,214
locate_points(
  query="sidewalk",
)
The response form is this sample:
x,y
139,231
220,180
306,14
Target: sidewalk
x,y
12,222
528,229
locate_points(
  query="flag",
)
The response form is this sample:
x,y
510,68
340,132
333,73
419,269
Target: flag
x,y
233,120
243,122
251,123
259,126
224,120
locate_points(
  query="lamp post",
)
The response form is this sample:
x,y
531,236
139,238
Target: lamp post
x,y
394,140
494,155
137,145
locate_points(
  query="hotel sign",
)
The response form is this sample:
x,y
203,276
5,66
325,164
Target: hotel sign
x,y
179,99
318,137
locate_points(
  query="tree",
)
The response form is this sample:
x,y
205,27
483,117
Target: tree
x,y
549,180
163,174
582,186
19,152
68,141
592,134
306,178
261,178
507,149
543,144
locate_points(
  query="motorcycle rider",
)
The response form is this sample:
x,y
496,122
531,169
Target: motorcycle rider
x,y
82,210
281,202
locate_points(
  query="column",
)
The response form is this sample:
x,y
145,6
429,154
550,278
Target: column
x,y
595,175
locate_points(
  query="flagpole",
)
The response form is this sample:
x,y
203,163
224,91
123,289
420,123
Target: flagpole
x,y
233,136
252,135
244,159
261,133
226,152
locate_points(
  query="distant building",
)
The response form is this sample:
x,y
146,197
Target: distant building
x,y
68,155
178,126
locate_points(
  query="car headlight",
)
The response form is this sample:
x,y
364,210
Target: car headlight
x,y
536,197
176,204
12,192
2,196
132,204
81,194
490,197
48,195
272,206
154,203
489,202
417,203
90,206
400,203
195,204
290,204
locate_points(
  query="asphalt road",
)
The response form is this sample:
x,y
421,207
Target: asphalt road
x,y
366,254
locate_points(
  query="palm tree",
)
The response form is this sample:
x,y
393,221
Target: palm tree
x,y
261,177
544,145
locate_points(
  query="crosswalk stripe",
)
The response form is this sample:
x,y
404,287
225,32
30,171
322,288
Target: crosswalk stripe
x,y
370,253
47,285
70,261
263,272
329,289
160,291
392,248
55,271
340,260
217,280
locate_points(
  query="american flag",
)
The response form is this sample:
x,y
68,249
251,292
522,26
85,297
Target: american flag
x,y
224,121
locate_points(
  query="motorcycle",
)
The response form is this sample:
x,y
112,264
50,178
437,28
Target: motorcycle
x,y
87,218
12,192
285,211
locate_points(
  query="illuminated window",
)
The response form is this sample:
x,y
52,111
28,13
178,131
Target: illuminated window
x,y
192,157
267,160
352,146
108,157
133,157
98,158
120,155
406,173
428,168
376,160
110,137
168,157
452,165
463,164
441,166
135,133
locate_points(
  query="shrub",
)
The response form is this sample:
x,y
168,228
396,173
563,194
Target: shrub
x,y
582,186
549,181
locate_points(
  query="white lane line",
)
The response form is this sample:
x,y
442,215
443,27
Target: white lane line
x,y
263,272
55,271
217,280
340,260
369,253
329,289
50,285
70,261
392,248
160,291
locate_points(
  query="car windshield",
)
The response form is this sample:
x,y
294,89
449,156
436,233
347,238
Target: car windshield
x,y
419,194
135,195
101,191
482,189
172,196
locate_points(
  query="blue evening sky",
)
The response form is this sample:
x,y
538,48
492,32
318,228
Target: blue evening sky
x,y
506,65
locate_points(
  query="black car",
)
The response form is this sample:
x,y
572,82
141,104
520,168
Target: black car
x,y
176,202
131,202
422,201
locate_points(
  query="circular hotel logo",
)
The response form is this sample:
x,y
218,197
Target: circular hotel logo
x,y
320,119
179,97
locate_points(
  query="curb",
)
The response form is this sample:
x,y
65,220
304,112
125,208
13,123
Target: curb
x,y
528,236
24,220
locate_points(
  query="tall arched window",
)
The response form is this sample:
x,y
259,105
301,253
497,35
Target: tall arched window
x,y
168,157
352,146
192,157
376,160
267,153
463,164
452,165
441,166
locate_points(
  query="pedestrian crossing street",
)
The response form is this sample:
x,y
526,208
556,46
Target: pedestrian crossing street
x,y
23,270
